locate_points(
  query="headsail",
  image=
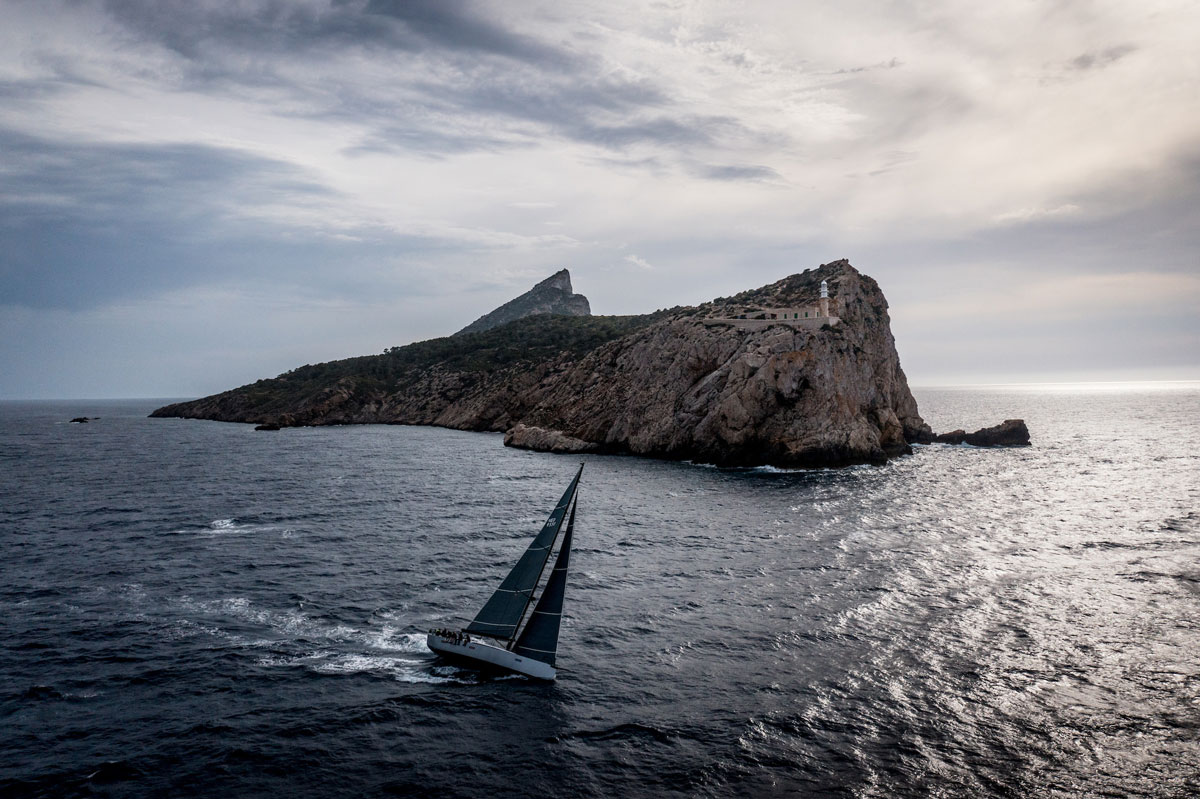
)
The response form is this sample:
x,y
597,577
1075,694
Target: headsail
x,y
502,613
539,639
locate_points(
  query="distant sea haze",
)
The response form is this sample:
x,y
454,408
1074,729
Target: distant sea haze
x,y
191,608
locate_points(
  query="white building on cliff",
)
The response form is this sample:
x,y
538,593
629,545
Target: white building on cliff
x,y
807,316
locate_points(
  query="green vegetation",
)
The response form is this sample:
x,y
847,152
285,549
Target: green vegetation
x,y
533,339
530,339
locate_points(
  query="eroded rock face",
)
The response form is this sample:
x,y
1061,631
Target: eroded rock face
x,y
714,393
683,386
528,437
1009,433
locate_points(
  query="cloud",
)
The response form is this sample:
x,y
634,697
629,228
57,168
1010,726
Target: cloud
x,y
87,223
459,26
381,151
752,172
1053,298
449,60
1031,214
195,30
1098,60
891,63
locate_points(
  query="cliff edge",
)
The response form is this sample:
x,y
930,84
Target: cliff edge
x,y
706,385
722,383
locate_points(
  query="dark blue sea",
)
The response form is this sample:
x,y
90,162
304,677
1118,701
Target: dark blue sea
x,y
196,609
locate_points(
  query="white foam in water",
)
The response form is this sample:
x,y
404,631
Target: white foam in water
x,y
231,526
343,632
387,639
186,628
292,660
352,663
414,642
292,623
411,670
402,655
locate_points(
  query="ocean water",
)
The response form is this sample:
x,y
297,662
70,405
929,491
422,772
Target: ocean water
x,y
194,608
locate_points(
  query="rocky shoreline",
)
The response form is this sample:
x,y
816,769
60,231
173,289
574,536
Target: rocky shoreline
x,y
681,384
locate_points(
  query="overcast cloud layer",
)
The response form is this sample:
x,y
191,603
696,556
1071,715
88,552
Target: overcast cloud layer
x,y
194,195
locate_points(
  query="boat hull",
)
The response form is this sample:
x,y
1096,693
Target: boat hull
x,y
481,655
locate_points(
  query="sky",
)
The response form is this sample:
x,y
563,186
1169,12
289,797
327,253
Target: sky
x,y
197,194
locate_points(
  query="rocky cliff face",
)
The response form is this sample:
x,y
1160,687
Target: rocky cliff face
x,y
552,296
682,384
689,388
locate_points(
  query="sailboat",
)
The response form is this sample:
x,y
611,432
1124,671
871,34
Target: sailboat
x,y
500,637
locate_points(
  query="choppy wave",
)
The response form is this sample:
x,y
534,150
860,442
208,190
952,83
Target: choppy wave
x,y
239,615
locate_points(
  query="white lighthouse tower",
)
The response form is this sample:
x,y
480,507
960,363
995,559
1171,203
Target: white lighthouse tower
x,y
824,298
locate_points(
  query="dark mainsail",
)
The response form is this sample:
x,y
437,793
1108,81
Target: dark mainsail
x,y
539,639
502,613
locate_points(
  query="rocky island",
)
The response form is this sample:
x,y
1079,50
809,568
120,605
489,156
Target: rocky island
x,y
803,372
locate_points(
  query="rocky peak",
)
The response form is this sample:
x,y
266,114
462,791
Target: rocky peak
x,y
560,280
553,295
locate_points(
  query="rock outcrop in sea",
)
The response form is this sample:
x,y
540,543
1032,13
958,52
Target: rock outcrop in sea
x,y
553,295
1009,433
710,383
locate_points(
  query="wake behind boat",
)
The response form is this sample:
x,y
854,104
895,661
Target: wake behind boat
x,y
496,638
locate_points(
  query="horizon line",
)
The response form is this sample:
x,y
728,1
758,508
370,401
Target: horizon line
x,y
1006,384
